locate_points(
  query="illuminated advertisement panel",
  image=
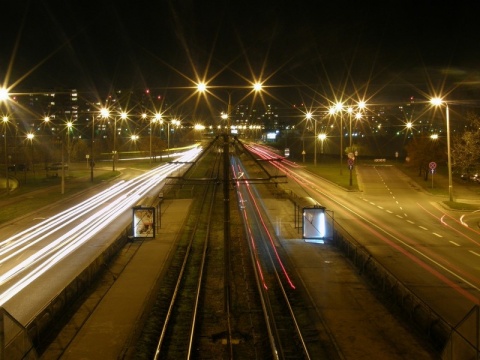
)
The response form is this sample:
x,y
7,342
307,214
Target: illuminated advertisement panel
x,y
314,225
143,224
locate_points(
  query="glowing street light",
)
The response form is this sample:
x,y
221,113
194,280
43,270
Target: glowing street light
x,y
322,138
30,137
338,108
3,94
5,123
156,119
69,126
309,116
47,120
123,116
438,102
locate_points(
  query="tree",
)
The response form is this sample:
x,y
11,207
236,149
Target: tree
x,y
465,147
423,150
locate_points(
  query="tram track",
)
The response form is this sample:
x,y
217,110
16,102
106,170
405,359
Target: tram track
x,y
232,298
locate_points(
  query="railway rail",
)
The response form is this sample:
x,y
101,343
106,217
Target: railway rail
x,y
232,297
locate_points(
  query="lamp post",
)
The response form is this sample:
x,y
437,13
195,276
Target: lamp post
x,y
322,138
69,129
123,116
338,108
5,122
157,118
30,137
309,116
358,115
134,138
438,102
168,138
173,122
92,160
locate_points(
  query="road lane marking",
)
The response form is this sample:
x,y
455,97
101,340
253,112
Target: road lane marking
x,y
438,235
390,212
422,227
474,253
399,216
411,222
454,243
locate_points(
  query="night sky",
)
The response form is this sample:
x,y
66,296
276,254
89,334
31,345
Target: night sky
x,y
300,47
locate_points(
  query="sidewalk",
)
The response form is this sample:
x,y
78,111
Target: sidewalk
x,y
108,331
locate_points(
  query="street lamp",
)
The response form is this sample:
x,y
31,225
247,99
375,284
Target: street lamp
x,y
338,108
30,137
322,138
174,122
69,125
437,102
3,94
309,116
92,159
157,118
134,138
5,122
123,116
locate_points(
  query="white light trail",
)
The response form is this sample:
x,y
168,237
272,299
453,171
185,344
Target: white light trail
x,y
49,242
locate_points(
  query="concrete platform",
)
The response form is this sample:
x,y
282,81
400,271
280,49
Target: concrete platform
x,y
109,330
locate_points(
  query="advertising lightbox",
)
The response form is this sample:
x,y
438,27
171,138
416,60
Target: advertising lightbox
x,y
143,223
314,224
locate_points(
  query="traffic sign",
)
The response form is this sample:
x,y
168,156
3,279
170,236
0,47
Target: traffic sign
x,y
350,162
432,165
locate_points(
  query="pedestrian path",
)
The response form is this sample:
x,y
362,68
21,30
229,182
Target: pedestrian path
x,y
109,331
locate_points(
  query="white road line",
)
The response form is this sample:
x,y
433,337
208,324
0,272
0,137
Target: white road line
x,y
399,216
454,243
474,253
380,207
410,221
438,235
390,212
422,227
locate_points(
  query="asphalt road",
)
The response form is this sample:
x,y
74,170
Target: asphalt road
x,y
424,244
43,251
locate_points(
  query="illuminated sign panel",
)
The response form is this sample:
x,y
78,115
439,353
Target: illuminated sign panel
x,y
314,224
143,224
271,136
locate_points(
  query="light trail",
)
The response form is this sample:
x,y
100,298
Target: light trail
x,y
397,240
260,217
52,240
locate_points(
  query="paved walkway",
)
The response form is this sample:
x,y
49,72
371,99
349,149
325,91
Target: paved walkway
x,y
109,330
